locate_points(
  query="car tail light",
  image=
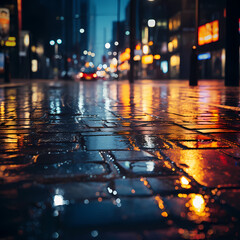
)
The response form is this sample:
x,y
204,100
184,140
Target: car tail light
x,y
94,75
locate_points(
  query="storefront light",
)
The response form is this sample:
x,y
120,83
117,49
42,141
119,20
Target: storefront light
x,y
145,49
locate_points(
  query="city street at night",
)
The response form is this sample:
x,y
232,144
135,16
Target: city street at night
x,y
113,160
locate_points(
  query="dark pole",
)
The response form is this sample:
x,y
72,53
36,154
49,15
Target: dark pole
x,y
132,38
193,79
118,34
7,75
232,44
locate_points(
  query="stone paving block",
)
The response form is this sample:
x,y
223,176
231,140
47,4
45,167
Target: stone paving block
x,y
187,137
233,152
147,168
151,142
50,147
233,137
208,167
78,192
170,185
57,138
106,143
202,144
197,208
130,187
71,157
94,124
230,197
132,155
215,130
111,213
58,172
15,159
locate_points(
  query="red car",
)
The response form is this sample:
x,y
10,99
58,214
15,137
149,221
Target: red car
x,y
87,74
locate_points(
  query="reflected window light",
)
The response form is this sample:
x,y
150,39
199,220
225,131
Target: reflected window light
x,y
184,180
197,205
185,183
59,201
150,166
198,201
148,142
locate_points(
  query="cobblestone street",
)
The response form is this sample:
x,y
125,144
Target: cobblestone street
x,y
110,160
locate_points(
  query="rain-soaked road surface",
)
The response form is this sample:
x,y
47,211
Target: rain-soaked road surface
x,y
106,160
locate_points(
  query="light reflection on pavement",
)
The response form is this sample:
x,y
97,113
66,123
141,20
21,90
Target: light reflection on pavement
x,y
113,160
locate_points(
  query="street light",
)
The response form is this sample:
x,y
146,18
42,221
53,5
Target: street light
x,y
151,23
55,44
107,45
52,42
81,30
59,41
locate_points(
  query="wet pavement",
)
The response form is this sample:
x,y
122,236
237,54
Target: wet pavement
x,y
109,160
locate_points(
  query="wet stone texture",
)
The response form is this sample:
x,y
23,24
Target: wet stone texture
x,y
110,160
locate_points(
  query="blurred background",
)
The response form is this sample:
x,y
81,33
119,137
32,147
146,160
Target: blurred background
x,y
59,38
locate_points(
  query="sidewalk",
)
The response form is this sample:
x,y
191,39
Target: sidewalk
x,y
109,160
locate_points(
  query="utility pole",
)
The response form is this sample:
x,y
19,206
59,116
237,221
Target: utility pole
x,y
193,79
132,38
232,44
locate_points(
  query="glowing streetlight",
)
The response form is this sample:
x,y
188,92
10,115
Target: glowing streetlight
x,y
116,43
81,30
107,45
59,41
52,42
151,23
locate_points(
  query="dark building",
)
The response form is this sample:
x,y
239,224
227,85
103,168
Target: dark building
x,y
211,39
9,35
181,28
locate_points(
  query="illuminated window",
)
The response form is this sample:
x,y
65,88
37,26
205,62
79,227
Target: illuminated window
x,y
208,33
